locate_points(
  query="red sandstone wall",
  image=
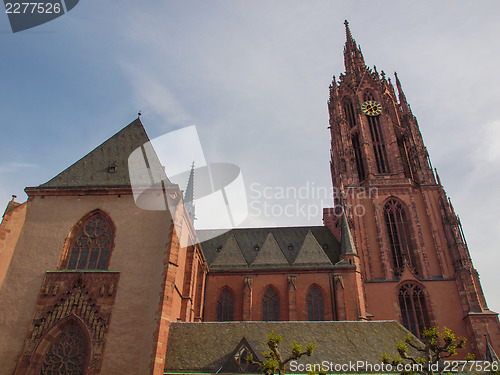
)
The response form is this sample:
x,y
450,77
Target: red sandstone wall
x,y
445,308
216,281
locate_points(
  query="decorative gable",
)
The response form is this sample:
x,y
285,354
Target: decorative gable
x,y
270,255
236,361
311,253
229,255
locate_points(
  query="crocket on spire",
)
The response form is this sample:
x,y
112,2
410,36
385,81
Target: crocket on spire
x,y
353,57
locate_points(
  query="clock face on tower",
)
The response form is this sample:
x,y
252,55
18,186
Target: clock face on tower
x,y
371,108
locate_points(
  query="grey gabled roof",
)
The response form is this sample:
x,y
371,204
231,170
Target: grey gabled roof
x,y
206,346
107,165
289,239
311,254
229,255
270,255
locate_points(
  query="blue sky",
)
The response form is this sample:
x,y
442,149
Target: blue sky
x,y
253,76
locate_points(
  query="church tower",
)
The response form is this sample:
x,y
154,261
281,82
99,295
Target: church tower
x,y
413,255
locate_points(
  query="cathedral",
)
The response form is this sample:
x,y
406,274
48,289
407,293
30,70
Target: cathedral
x,y
91,283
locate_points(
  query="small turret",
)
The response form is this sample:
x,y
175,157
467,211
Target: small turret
x,y
347,246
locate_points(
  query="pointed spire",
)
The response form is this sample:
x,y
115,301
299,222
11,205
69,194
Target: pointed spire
x,y
402,97
189,195
349,39
437,176
346,242
333,89
391,88
353,57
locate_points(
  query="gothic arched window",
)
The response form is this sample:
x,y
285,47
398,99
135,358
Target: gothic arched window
x,y
270,305
359,156
398,230
349,113
413,308
378,144
225,306
315,304
91,243
68,354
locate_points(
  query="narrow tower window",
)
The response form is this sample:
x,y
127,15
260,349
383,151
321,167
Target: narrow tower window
x,y
398,229
404,157
358,156
413,308
315,304
349,113
270,306
378,144
225,306
92,243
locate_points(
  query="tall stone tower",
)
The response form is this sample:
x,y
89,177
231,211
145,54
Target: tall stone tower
x,y
413,254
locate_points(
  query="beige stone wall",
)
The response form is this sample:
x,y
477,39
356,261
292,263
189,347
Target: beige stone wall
x,y
140,245
10,229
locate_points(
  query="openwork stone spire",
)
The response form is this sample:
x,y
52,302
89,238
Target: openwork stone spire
x,y
353,57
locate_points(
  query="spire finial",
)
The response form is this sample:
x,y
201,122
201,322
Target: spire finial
x,y
348,35
347,31
189,195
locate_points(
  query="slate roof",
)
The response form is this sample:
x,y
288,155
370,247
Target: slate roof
x,y
10,207
206,347
230,255
311,253
108,164
290,240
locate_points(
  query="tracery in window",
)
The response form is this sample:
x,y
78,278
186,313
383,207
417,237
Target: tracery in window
x,y
315,304
92,243
270,306
67,355
413,306
378,144
241,358
225,306
398,230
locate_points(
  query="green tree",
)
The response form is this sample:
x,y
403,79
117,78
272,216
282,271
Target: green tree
x,y
434,347
273,360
